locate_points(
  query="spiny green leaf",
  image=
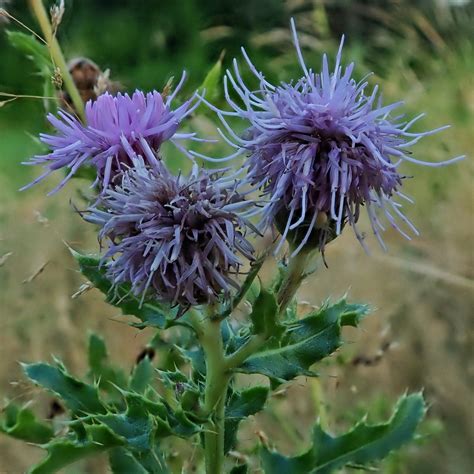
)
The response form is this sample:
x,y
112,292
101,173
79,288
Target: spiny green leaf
x,y
158,410
264,315
65,451
135,426
79,397
151,315
241,405
304,342
362,445
142,376
212,80
123,462
21,423
182,424
166,421
171,378
153,461
99,367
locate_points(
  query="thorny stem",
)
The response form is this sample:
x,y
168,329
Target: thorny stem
x,y
219,366
294,277
295,274
217,381
57,55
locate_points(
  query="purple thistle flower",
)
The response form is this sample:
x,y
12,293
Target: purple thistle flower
x,y
115,127
321,148
174,238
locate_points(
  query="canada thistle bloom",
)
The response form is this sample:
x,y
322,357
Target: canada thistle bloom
x,y
178,239
321,148
116,127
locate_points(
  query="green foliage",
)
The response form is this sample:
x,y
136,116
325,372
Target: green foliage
x,y
135,425
361,446
240,406
125,462
40,56
142,376
264,315
64,451
21,423
33,49
100,369
151,315
97,425
211,83
79,397
304,342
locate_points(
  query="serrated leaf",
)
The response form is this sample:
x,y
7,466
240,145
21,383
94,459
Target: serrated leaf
x,y
65,451
304,343
123,462
80,397
182,425
142,376
166,421
99,368
152,461
197,359
21,423
362,445
135,425
171,378
240,406
264,315
212,80
151,315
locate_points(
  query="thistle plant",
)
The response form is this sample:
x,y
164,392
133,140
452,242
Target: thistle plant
x,y
183,255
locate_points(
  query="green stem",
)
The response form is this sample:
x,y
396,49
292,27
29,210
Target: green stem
x,y
294,276
219,366
253,344
217,381
320,405
57,56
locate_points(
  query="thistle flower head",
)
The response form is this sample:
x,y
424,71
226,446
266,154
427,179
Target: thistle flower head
x,y
320,148
116,127
179,239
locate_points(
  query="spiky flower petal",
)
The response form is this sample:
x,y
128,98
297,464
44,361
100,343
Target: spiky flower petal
x,y
178,239
321,148
116,126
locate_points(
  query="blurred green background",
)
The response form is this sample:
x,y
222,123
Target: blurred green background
x,y
421,51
